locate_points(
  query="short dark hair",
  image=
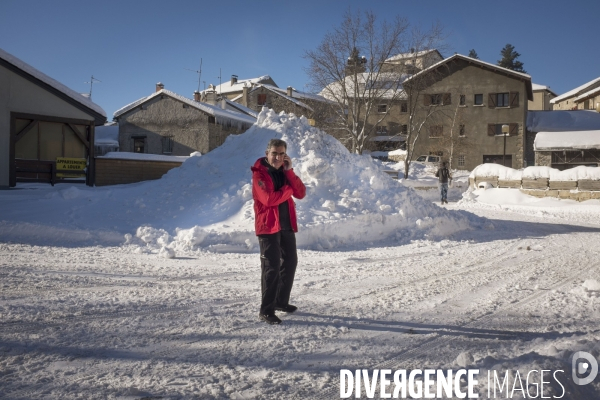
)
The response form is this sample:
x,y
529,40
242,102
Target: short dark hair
x,y
444,163
276,143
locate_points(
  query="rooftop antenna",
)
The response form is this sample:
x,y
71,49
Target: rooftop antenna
x,y
219,81
199,72
91,82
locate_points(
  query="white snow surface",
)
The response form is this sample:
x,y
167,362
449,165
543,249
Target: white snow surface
x,y
509,174
573,92
563,121
107,134
50,81
207,202
84,316
125,155
575,140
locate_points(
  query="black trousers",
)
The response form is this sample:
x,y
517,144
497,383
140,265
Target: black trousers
x,y
278,261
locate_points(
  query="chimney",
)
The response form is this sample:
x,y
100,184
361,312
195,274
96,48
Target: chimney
x,y
290,91
196,95
412,50
245,96
210,95
233,79
159,86
223,104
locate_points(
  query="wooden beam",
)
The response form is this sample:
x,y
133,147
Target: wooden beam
x,y
25,130
79,135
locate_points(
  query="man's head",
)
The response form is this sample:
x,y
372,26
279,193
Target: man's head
x,y
276,152
444,164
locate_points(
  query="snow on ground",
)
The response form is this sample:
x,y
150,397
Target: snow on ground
x,y
83,315
207,202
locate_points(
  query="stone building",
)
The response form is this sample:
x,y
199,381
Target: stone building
x,y
584,97
542,96
42,120
312,106
563,139
168,123
471,100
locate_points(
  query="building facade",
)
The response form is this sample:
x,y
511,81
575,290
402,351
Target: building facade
x,y
168,123
42,120
584,97
463,111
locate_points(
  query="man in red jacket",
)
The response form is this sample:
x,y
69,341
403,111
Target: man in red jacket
x,y
273,185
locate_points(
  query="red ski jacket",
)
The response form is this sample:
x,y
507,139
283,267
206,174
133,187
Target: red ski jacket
x,y
267,199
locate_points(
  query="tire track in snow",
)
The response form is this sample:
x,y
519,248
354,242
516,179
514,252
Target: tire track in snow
x,y
442,339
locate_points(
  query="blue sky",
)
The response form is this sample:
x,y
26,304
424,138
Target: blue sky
x,y
130,45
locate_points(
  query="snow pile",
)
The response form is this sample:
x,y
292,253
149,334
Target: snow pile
x,y
496,170
206,203
349,198
505,173
568,140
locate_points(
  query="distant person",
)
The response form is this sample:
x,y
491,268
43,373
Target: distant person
x,y
273,185
444,176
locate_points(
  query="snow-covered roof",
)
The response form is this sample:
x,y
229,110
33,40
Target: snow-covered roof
x,y
493,67
107,134
536,87
284,95
406,56
574,140
588,94
574,92
124,155
300,95
563,121
23,66
215,111
393,91
240,107
238,86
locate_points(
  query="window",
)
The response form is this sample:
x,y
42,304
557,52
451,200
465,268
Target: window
x,y
404,129
478,100
510,99
461,161
262,99
436,131
403,107
463,100
382,108
139,144
435,99
167,144
438,99
502,100
382,130
496,129
461,130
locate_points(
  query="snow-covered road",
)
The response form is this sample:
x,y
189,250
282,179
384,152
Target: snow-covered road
x,y
102,322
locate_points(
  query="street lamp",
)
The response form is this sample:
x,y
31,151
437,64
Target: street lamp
x,y
505,132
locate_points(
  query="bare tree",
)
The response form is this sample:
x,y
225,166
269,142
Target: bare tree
x,y
457,142
349,68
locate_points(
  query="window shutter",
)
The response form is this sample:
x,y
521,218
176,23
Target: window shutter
x,y
491,129
513,129
514,99
426,99
492,100
447,99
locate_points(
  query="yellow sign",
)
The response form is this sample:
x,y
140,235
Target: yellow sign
x,y
70,167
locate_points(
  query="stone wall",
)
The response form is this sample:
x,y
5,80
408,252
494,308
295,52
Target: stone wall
x,y
117,171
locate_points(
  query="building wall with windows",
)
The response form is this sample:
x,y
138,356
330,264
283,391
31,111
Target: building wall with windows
x,y
164,125
467,106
